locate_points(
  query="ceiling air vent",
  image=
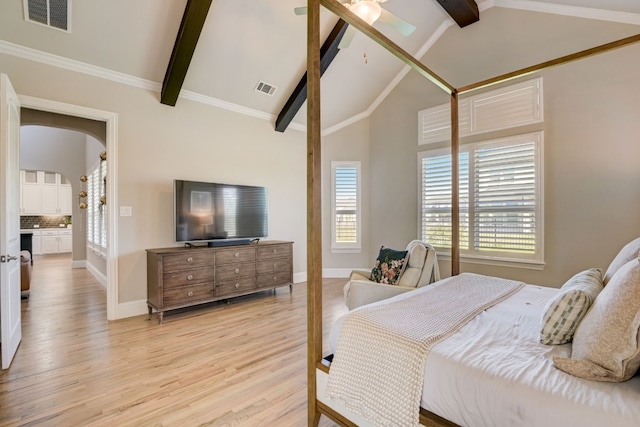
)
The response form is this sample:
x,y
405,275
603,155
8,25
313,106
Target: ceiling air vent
x,y
266,88
52,13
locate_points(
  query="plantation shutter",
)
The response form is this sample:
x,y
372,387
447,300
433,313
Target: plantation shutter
x,y
345,206
505,198
436,200
90,206
103,208
346,192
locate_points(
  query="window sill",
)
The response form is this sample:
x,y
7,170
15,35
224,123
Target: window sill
x,y
500,262
346,250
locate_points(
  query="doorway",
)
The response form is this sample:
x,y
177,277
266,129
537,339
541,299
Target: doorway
x,y
109,121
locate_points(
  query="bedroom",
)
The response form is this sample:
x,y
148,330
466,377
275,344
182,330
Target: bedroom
x,y
153,136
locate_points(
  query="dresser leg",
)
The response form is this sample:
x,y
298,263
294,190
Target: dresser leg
x,y
290,289
160,316
150,311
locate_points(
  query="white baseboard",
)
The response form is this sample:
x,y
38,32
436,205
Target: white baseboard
x,y
132,308
336,273
79,264
329,273
97,274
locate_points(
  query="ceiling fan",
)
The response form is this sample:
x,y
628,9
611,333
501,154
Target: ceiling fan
x,y
370,11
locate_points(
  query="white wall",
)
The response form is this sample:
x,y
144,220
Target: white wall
x,y
350,144
157,143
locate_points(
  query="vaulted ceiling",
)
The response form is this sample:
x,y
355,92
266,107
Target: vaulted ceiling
x,y
244,42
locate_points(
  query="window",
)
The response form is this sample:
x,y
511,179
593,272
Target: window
x,y
345,197
96,209
503,108
500,199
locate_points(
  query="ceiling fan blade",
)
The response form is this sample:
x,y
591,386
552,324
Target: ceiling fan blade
x,y
399,24
348,36
302,10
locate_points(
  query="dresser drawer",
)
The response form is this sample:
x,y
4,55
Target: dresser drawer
x,y
187,295
187,260
231,287
235,271
274,266
275,279
188,277
235,255
274,251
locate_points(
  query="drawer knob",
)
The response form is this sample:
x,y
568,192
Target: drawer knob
x,y
237,254
190,259
190,294
275,278
237,285
275,265
237,270
190,277
275,251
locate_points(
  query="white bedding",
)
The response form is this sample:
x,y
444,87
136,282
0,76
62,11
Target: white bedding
x,y
494,372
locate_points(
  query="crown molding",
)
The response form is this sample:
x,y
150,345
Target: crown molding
x,y
77,66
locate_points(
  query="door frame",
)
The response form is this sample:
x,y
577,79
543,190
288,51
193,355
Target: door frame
x,y
111,121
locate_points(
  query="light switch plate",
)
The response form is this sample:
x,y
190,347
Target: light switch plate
x,y
125,210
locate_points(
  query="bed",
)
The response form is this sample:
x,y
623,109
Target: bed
x,y
493,371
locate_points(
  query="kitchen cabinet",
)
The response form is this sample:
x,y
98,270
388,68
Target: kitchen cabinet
x,y
44,193
56,241
31,193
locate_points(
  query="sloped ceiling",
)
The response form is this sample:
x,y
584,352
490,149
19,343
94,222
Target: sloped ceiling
x,y
247,41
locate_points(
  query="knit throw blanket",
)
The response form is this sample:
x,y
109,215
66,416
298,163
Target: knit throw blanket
x,y
378,366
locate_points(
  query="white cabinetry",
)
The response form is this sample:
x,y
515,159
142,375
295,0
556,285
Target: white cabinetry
x,y
36,242
56,241
31,193
44,193
56,194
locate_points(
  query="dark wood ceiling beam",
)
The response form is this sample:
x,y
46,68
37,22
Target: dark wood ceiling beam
x,y
464,12
328,52
195,13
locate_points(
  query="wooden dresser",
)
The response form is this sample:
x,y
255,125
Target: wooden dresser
x,y
181,277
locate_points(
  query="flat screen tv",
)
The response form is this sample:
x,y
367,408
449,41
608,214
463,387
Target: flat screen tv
x,y
219,213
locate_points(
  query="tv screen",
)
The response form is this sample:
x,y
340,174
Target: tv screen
x,y
206,211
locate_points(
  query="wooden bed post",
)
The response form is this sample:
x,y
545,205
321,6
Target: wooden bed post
x,y
314,209
455,186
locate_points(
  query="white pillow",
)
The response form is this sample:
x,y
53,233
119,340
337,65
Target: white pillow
x,y
606,345
563,313
626,254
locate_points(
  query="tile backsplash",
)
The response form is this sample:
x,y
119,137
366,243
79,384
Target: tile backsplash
x,y
27,222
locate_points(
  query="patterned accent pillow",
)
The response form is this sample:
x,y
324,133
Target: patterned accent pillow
x,y
563,313
606,346
388,266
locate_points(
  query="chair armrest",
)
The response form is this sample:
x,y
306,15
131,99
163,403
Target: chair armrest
x,y
361,292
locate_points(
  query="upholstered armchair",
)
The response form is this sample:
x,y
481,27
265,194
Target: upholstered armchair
x,y
421,268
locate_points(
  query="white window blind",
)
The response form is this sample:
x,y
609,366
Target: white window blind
x,y
345,177
96,211
500,198
502,108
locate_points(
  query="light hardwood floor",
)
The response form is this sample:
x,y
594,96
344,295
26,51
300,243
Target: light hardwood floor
x,y
241,363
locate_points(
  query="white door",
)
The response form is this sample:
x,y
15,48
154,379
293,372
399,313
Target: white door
x,y
10,317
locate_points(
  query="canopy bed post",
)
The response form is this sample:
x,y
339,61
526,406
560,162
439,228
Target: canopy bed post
x,y
314,209
455,186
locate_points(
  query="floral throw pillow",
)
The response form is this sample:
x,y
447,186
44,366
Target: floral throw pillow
x,y
389,266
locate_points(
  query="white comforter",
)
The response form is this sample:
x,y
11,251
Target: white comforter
x,y
494,372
